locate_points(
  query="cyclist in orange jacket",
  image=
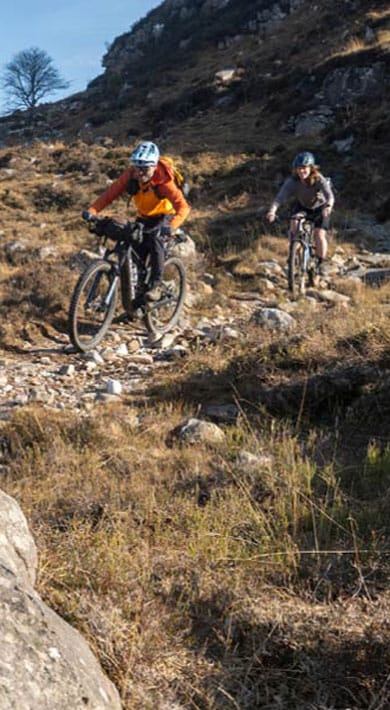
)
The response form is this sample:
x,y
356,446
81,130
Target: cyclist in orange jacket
x,y
159,202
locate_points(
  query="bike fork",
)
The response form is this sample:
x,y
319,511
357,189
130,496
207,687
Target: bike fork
x,y
111,290
109,294
306,257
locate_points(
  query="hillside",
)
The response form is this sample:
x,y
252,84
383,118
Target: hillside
x,y
259,80
218,531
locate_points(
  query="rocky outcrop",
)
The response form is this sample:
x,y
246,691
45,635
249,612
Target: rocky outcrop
x,y
45,664
349,85
133,46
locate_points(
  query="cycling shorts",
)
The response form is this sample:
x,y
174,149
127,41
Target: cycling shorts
x,y
315,215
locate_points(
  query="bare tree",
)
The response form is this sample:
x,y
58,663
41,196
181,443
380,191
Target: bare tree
x,y
28,78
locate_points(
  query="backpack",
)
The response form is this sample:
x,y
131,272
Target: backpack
x,y
329,181
175,173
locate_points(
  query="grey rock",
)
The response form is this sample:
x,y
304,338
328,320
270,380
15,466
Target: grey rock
x,y
186,249
114,387
195,430
331,297
225,76
248,461
45,664
17,251
347,85
313,122
17,548
344,145
273,318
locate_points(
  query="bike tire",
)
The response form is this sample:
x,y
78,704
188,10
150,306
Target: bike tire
x,y
89,321
126,287
161,316
296,268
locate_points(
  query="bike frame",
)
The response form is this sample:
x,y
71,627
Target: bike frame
x,y
124,268
123,251
304,235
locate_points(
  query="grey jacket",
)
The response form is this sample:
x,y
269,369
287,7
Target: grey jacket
x,y
310,196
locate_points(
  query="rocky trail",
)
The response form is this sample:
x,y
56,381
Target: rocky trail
x,y
48,371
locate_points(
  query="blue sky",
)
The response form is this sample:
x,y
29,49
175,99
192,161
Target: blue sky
x,y
74,33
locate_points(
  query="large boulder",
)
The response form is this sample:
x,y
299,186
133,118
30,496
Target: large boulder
x,y
45,664
348,85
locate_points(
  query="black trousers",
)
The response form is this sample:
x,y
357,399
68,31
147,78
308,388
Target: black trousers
x,y
153,243
157,229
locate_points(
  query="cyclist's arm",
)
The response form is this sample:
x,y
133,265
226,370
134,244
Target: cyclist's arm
x,y
175,196
328,195
117,188
282,196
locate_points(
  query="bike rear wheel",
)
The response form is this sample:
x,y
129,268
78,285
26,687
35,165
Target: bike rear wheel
x,y
92,306
163,315
296,268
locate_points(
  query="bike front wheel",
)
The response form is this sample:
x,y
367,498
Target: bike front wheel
x,y
93,305
163,315
296,268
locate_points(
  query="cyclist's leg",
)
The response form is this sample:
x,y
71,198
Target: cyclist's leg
x,y
321,243
321,226
155,247
156,244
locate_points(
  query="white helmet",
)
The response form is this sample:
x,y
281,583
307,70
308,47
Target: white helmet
x,y
145,154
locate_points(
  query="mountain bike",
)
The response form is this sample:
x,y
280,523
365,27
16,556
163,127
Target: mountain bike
x,y
302,263
122,270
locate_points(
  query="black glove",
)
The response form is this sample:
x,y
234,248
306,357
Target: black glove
x,y
86,214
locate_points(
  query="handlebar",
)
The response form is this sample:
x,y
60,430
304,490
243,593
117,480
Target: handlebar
x,y
110,228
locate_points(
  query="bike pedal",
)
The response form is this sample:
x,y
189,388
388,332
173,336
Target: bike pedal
x,y
122,318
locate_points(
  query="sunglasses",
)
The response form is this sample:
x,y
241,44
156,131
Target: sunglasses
x,y
143,170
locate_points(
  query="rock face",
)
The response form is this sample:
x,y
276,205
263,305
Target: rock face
x,y
353,84
45,664
134,46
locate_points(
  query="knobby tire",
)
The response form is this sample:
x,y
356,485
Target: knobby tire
x,y
296,271
161,316
126,287
89,316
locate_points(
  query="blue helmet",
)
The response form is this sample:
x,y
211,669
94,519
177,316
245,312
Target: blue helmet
x,y
303,159
145,155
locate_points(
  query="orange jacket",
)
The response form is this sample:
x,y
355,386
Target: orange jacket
x,y
159,196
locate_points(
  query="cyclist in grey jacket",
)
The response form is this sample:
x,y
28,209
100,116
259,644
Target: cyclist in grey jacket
x,y
313,197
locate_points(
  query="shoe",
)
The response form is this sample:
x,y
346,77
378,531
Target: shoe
x,y
122,319
321,268
126,318
154,293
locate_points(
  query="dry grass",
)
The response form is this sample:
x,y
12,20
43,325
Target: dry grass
x,y
199,581
354,45
195,579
